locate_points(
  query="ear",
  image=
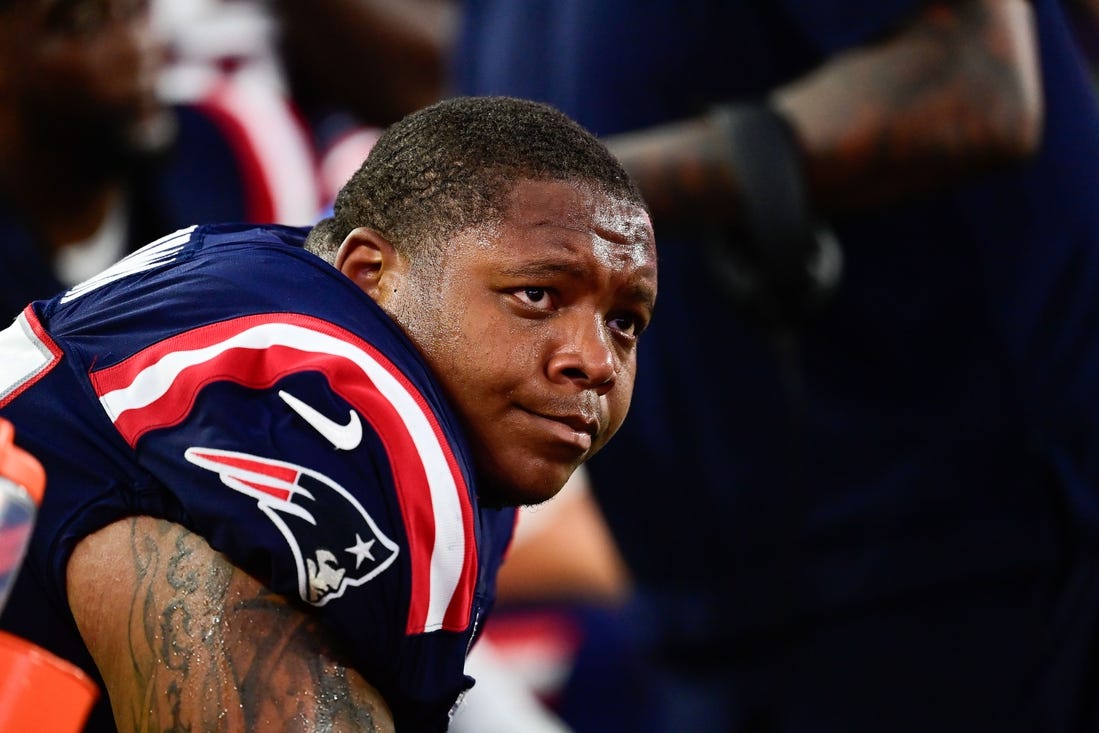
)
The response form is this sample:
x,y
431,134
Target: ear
x,y
371,261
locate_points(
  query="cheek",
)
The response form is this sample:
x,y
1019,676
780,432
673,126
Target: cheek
x,y
505,349
498,358
463,351
618,400
481,356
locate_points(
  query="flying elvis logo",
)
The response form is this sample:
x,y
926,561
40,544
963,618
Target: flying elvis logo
x,y
342,548
157,388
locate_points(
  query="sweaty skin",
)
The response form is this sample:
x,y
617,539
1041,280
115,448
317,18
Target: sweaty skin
x,y
206,646
531,325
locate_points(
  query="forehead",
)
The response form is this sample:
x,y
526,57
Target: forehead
x,y
575,218
560,234
576,204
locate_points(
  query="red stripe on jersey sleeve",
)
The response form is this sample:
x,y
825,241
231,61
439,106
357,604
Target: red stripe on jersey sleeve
x,y
210,358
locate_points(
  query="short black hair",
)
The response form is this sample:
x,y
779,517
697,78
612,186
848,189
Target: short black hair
x,y
450,166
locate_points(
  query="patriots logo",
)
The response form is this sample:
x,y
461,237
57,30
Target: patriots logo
x,y
334,541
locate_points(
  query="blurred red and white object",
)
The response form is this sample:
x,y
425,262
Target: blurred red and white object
x,y
22,482
222,56
38,691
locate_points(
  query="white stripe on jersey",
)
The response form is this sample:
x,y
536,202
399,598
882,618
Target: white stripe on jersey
x,y
157,253
23,356
449,549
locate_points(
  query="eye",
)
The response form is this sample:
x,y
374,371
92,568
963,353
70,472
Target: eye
x,y
538,298
624,324
627,324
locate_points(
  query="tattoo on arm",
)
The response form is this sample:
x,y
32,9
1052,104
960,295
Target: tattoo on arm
x,y
681,171
954,92
207,647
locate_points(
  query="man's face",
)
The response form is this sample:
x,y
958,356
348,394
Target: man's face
x,y
88,70
531,325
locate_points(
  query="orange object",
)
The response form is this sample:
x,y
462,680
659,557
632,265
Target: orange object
x,y
41,692
19,466
38,691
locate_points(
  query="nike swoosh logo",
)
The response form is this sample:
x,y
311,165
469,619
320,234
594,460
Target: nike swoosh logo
x,y
344,437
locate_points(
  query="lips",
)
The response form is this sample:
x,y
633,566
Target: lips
x,y
578,422
574,428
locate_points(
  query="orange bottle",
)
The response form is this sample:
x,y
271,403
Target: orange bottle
x,y
38,690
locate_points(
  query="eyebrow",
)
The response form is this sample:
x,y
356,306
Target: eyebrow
x,y
545,268
642,295
637,293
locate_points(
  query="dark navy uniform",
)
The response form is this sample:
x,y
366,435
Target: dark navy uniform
x,y
903,537
225,379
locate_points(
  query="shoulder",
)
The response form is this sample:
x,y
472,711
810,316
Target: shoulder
x,y
201,272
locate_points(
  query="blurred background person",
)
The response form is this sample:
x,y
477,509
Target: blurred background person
x,y
842,508
376,59
355,66
95,161
1083,17
228,58
859,485
344,68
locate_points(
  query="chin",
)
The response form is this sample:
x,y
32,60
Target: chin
x,y
500,492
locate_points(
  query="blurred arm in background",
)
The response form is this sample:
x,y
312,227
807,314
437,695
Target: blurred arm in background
x,y
954,93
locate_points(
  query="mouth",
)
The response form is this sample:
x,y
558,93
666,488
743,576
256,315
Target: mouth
x,y
574,429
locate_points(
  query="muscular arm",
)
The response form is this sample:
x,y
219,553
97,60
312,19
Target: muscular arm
x,y
187,641
954,93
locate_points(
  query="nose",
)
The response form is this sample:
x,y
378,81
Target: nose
x,y
586,358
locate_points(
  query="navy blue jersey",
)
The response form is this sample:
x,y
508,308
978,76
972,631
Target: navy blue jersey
x,y
942,427
225,379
